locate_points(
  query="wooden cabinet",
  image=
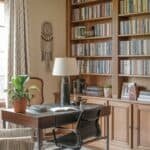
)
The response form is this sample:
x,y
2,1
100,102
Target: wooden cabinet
x,y
141,127
121,124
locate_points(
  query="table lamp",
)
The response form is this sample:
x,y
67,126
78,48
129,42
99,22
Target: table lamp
x,y
65,67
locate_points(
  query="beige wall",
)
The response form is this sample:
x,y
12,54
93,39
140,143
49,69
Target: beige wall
x,y
55,12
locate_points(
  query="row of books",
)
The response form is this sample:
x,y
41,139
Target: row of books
x,y
135,47
81,1
103,29
135,26
92,49
92,12
134,6
135,67
93,91
144,96
94,66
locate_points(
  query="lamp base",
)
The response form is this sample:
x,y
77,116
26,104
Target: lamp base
x,y
65,91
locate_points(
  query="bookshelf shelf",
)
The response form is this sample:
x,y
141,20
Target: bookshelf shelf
x,y
135,76
81,4
93,57
134,14
134,35
92,20
95,74
136,56
94,38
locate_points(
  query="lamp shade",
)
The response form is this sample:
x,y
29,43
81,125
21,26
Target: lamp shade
x,y
65,66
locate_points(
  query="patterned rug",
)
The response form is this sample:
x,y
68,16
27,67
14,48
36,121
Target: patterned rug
x,y
51,146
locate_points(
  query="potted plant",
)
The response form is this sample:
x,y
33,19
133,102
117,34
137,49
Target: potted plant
x,y
18,94
108,91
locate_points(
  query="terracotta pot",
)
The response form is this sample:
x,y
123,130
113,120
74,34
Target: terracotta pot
x,y
20,105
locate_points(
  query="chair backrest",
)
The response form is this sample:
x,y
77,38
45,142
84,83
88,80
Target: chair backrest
x,y
37,94
88,124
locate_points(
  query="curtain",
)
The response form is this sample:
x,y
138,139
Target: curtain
x,y
17,36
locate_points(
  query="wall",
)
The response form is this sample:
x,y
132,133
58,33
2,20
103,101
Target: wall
x,y
55,12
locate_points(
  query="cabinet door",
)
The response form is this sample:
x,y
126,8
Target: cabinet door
x,y
141,127
120,124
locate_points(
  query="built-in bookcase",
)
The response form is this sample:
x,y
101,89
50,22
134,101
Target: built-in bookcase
x,y
111,41
134,42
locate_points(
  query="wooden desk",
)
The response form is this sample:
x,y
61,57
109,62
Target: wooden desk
x,y
48,119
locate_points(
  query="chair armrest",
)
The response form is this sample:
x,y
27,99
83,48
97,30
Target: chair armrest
x,y
18,132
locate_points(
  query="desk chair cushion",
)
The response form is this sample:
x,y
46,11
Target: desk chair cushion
x,y
67,140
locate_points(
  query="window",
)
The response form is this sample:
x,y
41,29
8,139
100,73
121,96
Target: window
x,y
3,59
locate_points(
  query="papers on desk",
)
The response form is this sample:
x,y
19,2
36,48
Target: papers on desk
x,y
38,108
66,108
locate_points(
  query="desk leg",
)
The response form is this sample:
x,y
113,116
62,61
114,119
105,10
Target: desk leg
x,y
107,140
39,142
4,124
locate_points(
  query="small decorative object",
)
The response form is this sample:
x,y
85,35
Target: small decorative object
x,y
129,91
108,91
18,94
47,44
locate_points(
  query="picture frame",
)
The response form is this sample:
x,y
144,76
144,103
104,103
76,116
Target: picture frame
x,y
129,91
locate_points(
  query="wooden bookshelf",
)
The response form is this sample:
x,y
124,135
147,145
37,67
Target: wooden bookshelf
x,y
122,110
91,20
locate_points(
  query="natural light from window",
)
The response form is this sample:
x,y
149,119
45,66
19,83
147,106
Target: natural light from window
x,y
3,60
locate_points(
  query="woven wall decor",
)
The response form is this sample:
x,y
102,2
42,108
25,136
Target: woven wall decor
x,y
47,44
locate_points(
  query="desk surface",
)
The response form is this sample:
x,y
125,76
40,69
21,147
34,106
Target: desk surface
x,y
49,118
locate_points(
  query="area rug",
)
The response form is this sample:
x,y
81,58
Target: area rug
x,y
51,146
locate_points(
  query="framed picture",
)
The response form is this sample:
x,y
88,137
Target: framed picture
x,y
129,91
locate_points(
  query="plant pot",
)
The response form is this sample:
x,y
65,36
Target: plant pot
x,y
20,105
108,92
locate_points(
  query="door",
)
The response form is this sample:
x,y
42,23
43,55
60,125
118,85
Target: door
x,y
120,124
141,127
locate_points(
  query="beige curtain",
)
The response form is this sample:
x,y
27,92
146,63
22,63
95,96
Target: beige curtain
x,y
17,33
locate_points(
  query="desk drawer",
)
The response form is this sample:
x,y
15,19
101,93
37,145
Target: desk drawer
x,y
66,119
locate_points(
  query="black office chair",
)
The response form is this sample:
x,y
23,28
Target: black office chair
x,y
87,129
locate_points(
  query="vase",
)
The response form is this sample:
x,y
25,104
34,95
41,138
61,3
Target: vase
x,y
108,92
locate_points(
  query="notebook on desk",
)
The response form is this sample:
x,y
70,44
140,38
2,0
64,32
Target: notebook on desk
x,y
38,108
66,108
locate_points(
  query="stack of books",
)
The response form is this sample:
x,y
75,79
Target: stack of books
x,y
94,91
144,96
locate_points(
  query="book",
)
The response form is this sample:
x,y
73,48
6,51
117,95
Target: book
x,y
38,108
129,91
60,109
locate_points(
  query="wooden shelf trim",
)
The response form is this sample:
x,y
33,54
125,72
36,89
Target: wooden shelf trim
x,y
95,74
111,99
92,20
85,3
93,38
143,56
136,76
134,35
134,14
92,57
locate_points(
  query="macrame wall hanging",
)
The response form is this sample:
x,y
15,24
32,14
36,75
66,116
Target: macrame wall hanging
x,y
47,44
